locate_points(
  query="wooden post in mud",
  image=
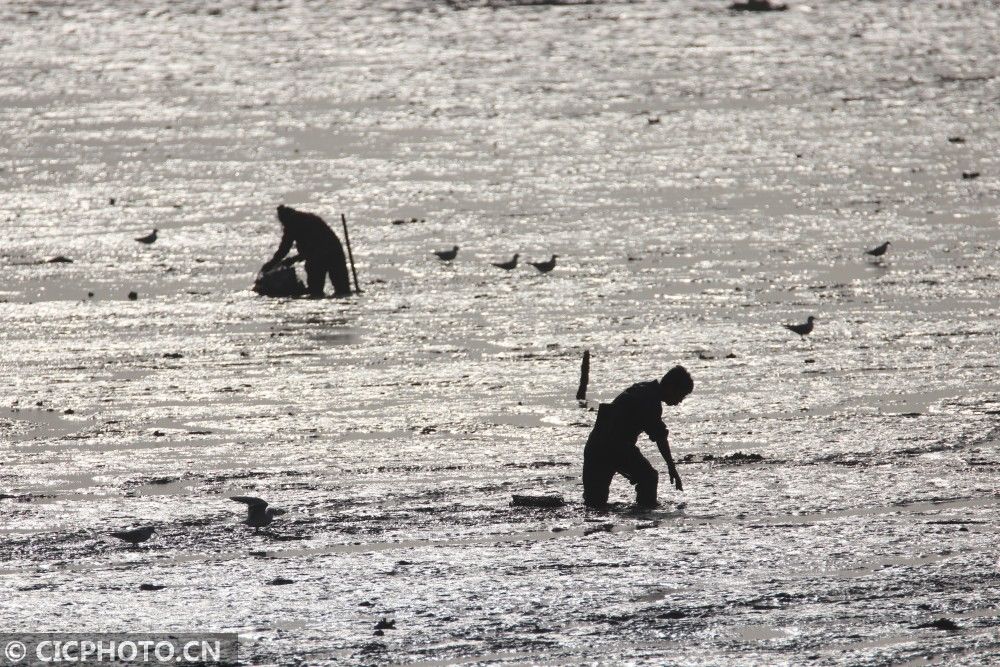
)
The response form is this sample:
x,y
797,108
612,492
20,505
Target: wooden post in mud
x,y
581,392
350,255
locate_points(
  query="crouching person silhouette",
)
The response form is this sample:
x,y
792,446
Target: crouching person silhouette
x,y
611,447
317,245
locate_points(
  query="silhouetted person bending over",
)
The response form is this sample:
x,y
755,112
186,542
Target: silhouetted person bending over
x,y
611,447
317,245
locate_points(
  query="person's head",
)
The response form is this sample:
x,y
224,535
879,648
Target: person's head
x,y
676,385
285,214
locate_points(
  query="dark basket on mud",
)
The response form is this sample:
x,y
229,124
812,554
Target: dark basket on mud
x,y
282,281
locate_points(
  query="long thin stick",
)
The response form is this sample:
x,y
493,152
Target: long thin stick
x,y
581,392
350,255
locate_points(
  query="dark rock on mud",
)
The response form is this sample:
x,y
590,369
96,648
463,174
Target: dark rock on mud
x,y
151,587
758,6
940,624
537,501
59,259
158,481
969,175
280,581
133,296
385,624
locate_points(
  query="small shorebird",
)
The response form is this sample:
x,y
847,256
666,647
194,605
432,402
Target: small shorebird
x,y
258,513
802,330
148,238
879,251
134,536
545,267
447,255
507,266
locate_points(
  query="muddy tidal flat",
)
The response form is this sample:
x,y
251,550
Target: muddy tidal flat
x,y
705,176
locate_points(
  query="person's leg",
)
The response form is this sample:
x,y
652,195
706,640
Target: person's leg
x,y
597,474
598,465
315,277
341,286
637,469
338,270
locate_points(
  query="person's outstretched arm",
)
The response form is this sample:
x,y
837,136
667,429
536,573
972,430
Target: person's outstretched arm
x,y
664,446
283,248
657,432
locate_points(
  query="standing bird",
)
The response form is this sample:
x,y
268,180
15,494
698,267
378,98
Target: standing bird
x,y
879,251
447,255
134,536
802,330
148,238
545,267
507,266
258,513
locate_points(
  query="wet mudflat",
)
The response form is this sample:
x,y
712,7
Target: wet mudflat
x,y
704,177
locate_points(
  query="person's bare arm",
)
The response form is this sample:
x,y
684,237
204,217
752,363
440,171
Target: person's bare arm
x,y
664,446
283,249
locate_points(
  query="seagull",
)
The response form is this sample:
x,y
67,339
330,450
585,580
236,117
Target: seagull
x,y
545,267
134,536
802,330
447,255
507,266
879,251
148,238
258,513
